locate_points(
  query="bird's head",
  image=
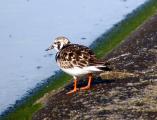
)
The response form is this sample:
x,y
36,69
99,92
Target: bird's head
x,y
59,43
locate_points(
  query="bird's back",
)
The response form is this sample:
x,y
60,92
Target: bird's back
x,y
75,55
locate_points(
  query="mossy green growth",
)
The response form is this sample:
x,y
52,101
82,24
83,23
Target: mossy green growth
x,y
26,110
105,44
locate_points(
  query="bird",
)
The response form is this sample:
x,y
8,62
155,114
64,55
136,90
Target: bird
x,y
77,60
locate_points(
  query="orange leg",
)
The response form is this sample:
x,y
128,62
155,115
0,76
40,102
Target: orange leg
x,y
89,83
75,88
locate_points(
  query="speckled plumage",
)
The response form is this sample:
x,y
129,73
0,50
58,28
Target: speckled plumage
x,y
74,57
76,60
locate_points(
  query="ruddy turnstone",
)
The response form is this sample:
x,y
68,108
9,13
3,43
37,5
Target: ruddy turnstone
x,y
76,60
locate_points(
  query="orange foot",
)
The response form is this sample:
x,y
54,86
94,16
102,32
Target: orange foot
x,y
71,91
75,88
89,83
85,88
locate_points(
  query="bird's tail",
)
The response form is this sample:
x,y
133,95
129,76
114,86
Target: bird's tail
x,y
105,67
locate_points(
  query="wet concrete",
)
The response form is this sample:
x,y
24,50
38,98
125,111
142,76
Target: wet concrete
x,y
133,97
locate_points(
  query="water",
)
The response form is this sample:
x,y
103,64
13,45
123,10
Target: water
x,y
27,28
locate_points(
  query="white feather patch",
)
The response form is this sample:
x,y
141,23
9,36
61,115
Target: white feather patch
x,y
76,71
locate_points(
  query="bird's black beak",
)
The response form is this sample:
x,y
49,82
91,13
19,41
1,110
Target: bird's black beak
x,y
51,47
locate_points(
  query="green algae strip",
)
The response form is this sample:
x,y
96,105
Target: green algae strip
x,y
119,32
104,45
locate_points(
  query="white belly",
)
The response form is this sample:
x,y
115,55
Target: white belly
x,y
76,71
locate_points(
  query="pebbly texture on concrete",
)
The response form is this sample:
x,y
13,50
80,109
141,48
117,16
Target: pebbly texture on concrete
x,y
133,97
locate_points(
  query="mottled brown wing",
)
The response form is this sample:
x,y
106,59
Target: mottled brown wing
x,y
76,55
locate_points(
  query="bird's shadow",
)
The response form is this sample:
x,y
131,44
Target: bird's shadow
x,y
84,81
